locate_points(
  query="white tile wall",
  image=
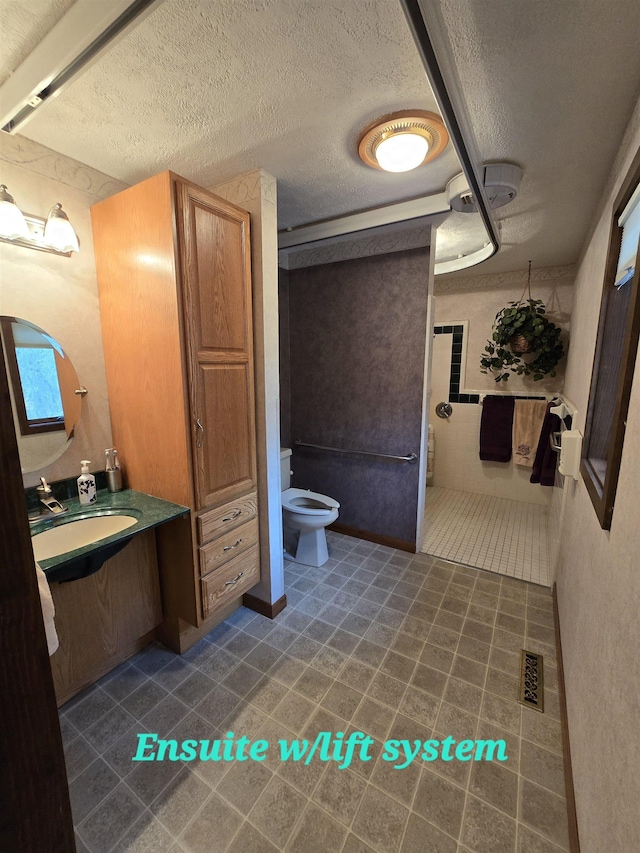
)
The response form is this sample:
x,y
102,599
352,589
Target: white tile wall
x,y
497,534
457,445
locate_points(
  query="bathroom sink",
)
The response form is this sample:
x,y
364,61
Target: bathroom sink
x,y
71,535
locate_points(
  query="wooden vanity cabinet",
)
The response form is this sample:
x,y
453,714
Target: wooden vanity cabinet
x,y
173,267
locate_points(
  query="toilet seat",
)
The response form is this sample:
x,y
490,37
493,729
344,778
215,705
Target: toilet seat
x,y
308,503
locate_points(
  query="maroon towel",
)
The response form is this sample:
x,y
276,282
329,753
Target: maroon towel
x,y
544,465
496,427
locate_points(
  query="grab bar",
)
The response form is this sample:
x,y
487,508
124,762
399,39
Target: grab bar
x,y
410,457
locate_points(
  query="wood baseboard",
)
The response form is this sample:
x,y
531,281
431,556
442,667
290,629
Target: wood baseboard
x,y
264,607
379,539
574,840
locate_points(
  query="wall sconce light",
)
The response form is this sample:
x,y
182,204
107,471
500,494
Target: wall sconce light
x,y
53,234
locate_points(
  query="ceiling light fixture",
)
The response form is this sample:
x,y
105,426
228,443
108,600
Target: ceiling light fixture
x,y
402,141
54,234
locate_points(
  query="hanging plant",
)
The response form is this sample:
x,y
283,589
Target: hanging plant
x,y
519,329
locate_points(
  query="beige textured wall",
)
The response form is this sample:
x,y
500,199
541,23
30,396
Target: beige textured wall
x,y
478,298
599,587
59,294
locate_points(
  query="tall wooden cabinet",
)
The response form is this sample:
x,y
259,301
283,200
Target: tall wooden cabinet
x,y
173,266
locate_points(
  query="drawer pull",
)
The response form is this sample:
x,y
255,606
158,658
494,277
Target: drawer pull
x,y
231,547
235,580
233,515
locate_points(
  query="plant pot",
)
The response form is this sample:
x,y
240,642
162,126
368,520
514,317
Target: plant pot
x,y
519,344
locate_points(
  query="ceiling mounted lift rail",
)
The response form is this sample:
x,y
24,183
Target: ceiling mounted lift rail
x,y
413,10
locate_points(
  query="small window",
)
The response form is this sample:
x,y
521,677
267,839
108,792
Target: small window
x,y
615,355
34,380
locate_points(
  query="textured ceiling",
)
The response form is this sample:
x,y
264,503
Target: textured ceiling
x,y
551,86
213,89
24,23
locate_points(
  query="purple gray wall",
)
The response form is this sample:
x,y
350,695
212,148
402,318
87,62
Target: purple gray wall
x,y
357,334
285,380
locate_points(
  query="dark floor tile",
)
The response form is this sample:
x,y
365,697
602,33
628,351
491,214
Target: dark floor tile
x,y
277,811
463,695
343,641
219,665
244,783
144,699
357,675
340,792
317,833
217,705
373,718
165,715
194,688
293,711
78,755
440,802
368,653
152,659
431,680
173,674
216,820
122,681
108,823
109,729
386,689
543,767
341,700
267,694
147,835
319,631
423,837
249,840
493,783
242,680
469,670
180,800
89,709
456,722
380,821
474,649
487,830
90,787
400,784
538,729
420,706
545,812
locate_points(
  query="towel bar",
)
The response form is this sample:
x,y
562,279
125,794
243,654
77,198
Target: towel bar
x,y
410,457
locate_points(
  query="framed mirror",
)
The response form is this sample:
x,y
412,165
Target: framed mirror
x,y
42,385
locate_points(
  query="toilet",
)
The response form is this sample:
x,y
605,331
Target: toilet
x,y
306,513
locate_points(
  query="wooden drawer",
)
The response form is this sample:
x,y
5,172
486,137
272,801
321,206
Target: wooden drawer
x,y
225,584
227,546
226,517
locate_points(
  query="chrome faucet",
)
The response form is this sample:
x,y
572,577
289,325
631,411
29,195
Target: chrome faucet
x,y
51,505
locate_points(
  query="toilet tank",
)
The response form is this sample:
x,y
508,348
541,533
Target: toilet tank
x,y
285,467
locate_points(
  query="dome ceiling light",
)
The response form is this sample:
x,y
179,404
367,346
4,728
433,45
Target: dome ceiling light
x,y
402,141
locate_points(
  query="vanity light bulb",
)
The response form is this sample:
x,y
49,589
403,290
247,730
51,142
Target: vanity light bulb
x,y
401,152
13,225
58,232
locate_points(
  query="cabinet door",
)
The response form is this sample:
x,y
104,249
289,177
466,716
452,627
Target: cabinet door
x,y
216,281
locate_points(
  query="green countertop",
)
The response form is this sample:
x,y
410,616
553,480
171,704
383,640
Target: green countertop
x,y
149,511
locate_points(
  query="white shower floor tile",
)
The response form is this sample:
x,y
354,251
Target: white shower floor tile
x,y
497,534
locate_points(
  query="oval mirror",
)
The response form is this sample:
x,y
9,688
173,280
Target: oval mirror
x,y
42,385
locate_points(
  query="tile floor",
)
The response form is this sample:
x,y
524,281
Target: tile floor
x,y
377,640
496,534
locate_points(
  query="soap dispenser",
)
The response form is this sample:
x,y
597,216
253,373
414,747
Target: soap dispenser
x,y
86,484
